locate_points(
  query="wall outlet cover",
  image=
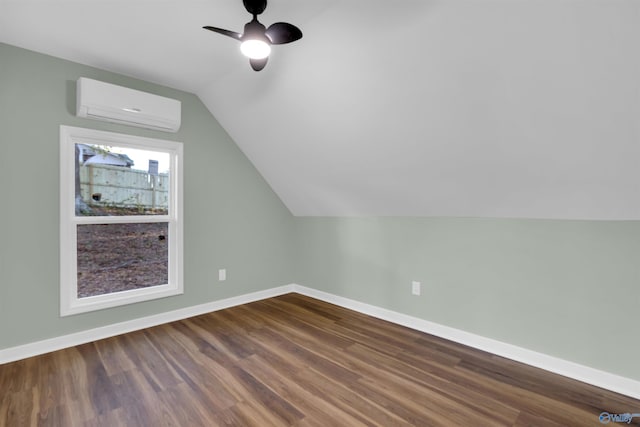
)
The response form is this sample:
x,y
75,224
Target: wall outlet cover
x,y
415,288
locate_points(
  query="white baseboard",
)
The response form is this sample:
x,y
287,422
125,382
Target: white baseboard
x,y
562,367
45,346
553,364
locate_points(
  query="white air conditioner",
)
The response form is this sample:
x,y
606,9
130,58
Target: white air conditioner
x,y
117,104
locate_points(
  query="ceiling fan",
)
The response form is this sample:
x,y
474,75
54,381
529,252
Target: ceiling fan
x,y
257,39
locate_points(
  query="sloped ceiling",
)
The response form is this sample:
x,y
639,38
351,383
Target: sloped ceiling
x,y
478,108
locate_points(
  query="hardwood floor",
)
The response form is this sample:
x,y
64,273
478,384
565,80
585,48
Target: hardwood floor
x,y
291,360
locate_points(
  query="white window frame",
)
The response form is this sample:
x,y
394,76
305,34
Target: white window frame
x,y
69,302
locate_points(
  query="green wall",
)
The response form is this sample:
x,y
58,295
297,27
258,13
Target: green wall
x,y
232,218
569,289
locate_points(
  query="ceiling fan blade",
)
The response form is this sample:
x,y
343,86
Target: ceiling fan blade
x,y
258,64
282,33
224,32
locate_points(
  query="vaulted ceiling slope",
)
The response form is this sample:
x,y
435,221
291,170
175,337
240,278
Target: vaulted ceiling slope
x,y
481,108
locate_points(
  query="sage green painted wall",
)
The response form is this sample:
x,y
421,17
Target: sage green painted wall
x,y
569,289
232,218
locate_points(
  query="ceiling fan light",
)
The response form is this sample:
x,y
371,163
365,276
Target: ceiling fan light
x,y
255,49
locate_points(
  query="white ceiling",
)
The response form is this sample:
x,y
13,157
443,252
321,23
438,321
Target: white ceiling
x,y
489,108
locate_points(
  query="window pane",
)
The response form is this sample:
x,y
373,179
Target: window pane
x,y
121,257
113,180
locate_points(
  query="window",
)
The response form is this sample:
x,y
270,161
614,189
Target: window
x,y
120,219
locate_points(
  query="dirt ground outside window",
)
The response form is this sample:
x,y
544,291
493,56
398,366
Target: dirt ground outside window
x,y
120,257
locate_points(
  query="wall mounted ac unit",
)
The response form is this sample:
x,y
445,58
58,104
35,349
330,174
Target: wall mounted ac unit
x,y
117,104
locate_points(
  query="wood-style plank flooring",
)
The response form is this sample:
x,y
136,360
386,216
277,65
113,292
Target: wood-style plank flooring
x,y
290,361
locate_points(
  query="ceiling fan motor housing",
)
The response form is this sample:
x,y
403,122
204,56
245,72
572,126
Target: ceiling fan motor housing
x,y
255,7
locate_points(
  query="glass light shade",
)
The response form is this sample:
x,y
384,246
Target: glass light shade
x,y
255,49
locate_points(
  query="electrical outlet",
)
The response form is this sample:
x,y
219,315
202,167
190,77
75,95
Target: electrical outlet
x,y
415,288
222,274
